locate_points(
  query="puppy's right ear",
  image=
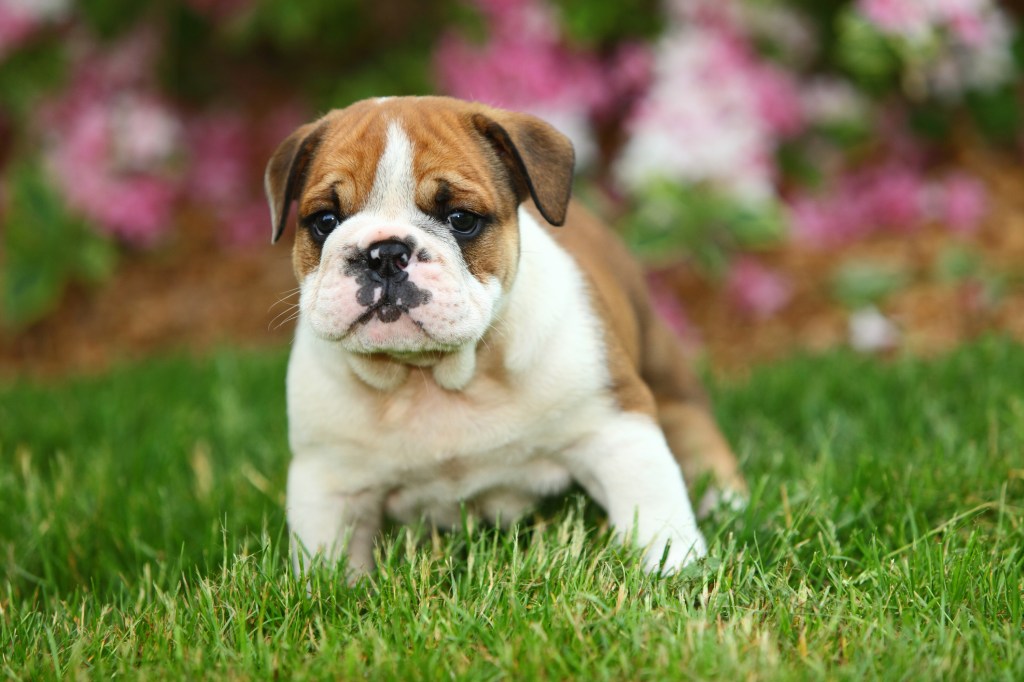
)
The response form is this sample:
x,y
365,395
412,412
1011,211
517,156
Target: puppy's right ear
x,y
286,171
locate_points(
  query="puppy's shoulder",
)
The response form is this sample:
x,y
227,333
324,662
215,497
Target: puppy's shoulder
x,y
614,277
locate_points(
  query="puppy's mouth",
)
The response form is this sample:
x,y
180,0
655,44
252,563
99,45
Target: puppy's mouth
x,y
387,298
384,311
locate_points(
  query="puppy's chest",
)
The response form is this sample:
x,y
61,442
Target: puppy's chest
x,y
428,430
491,450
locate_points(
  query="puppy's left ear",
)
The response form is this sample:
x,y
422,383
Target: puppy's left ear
x,y
285,172
540,158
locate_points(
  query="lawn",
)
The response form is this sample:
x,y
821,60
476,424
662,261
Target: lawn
x,y
142,536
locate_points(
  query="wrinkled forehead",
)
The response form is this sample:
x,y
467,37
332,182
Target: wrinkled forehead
x,y
381,152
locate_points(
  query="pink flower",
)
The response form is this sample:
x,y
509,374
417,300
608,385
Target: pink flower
x,y
962,203
20,19
134,204
814,221
893,196
630,70
969,20
757,290
524,65
909,18
778,99
223,175
226,153
949,46
138,209
715,112
17,25
112,145
220,157
890,197
243,222
517,72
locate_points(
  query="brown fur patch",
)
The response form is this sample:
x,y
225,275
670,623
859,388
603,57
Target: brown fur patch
x,y
339,177
649,372
619,295
305,254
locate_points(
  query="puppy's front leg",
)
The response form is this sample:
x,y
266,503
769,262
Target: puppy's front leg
x,y
326,523
628,468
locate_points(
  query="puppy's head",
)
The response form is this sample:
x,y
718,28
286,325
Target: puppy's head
x,y
408,237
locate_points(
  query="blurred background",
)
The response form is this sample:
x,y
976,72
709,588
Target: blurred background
x,y
797,174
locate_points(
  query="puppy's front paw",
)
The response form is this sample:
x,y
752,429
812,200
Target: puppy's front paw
x,y
683,550
727,499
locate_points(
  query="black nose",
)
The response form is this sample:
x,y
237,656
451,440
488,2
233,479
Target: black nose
x,y
388,260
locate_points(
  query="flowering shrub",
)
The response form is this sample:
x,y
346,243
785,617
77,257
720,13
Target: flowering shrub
x,y
525,65
129,115
21,19
718,127
110,141
935,47
714,112
886,198
747,126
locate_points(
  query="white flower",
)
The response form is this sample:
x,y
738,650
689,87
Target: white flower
x,y
40,10
830,100
699,122
872,331
145,133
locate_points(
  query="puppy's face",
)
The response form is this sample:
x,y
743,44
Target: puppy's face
x,y
407,233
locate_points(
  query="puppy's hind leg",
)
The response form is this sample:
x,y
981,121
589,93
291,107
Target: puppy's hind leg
x,y
701,451
684,414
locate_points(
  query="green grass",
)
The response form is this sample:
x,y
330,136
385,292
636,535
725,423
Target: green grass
x,y
142,535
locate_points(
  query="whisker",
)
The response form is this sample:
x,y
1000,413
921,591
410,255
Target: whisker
x,y
293,316
291,311
283,297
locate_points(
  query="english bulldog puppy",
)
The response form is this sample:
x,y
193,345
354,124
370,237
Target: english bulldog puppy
x,y
455,348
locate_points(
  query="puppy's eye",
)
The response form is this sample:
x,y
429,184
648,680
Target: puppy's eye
x,y
322,224
464,224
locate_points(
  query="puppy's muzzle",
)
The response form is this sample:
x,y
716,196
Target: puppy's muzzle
x,y
385,269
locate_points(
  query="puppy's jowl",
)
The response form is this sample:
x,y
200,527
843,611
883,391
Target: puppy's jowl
x,y
454,347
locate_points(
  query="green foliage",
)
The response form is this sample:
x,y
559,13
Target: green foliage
x,y
930,122
402,72
142,517
958,266
607,23
860,283
307,26
110,18
998,113
670,221
44,249
865,53
346,50
957,263
27,73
